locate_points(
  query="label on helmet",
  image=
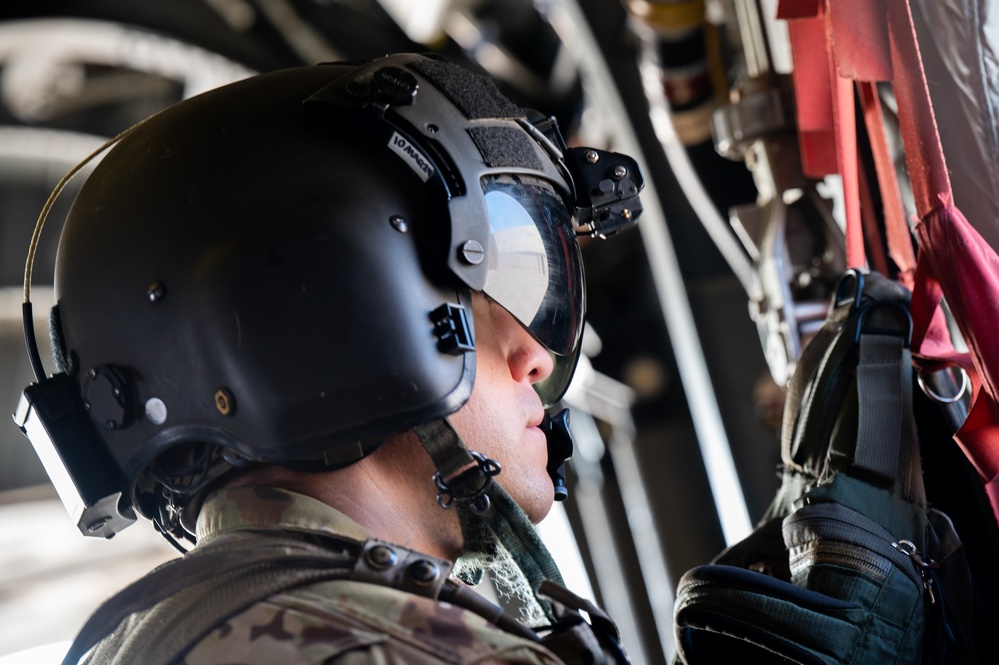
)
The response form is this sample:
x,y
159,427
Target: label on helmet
x,y
411,155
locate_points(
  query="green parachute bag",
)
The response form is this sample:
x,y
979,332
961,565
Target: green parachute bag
x,y
849,564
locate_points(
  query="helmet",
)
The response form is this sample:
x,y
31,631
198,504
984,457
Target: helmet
x,y
281,268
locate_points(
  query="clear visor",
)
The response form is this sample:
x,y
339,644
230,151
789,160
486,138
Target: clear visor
x,y
535,269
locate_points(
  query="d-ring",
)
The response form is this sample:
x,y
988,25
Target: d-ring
x,y
940,398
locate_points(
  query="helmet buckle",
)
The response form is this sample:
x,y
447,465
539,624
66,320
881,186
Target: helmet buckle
x,y
470,485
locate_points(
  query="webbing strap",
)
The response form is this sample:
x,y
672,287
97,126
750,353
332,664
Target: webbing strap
x,y
437,438
504,518
880,397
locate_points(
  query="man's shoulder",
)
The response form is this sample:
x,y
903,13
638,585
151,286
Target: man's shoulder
x,y
353,622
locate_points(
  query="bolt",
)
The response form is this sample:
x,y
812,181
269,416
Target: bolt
x,y
399,223
592,156
626,213
620,172
472,252
225,402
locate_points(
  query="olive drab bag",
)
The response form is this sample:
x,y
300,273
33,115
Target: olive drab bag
x,y
849,565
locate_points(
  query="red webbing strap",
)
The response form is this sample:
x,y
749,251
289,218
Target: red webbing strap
x,y
923,152
812,85
825,108
874,40
979,435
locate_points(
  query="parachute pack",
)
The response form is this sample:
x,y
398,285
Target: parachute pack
x,y
850,564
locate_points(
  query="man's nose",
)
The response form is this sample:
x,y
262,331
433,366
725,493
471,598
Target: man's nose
x,y
527,358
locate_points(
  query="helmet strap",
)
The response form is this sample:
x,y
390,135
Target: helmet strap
x,y
498,535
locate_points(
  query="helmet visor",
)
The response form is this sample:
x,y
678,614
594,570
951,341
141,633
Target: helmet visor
x,y
535,268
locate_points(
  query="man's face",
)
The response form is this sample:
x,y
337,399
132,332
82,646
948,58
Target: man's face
x,y
501,418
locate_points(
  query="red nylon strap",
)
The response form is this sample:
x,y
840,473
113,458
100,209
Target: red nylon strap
x,y
826,119
923,152
812,87
942,230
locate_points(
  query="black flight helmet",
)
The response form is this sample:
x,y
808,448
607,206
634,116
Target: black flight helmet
x,y
280,271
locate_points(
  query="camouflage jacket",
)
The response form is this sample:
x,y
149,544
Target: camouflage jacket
x,y
340,622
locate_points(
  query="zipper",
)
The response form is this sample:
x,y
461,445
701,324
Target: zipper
x,y
925,565
833,523
838,554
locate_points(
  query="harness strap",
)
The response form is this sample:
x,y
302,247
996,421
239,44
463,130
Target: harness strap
x,y
503,518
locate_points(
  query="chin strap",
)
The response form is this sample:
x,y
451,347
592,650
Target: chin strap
x,y
497,533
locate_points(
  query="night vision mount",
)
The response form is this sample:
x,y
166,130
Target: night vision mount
x,y
607,187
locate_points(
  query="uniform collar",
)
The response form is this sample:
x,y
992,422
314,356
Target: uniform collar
x,y
263,508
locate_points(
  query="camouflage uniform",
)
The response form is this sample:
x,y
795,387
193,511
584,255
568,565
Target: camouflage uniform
x,y
341,621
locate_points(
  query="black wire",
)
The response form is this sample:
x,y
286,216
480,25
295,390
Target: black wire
x,y
31,343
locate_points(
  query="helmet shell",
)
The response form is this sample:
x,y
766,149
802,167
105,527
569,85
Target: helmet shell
x,y
257,267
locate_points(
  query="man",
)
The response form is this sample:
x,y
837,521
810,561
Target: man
x,y
306,321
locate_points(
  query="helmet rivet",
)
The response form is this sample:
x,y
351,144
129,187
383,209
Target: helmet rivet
x,y
423,572
156,411
381,557
225,402
155,292
432,128
472,252
620,172
592,156
399,223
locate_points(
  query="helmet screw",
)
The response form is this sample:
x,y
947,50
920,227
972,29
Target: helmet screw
x,y
472,252
620,172
225,402
592,156
155,292
399,223
156,411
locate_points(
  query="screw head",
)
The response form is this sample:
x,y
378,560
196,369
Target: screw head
x,y
399,223
472,252
592,156
620,172
156,411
